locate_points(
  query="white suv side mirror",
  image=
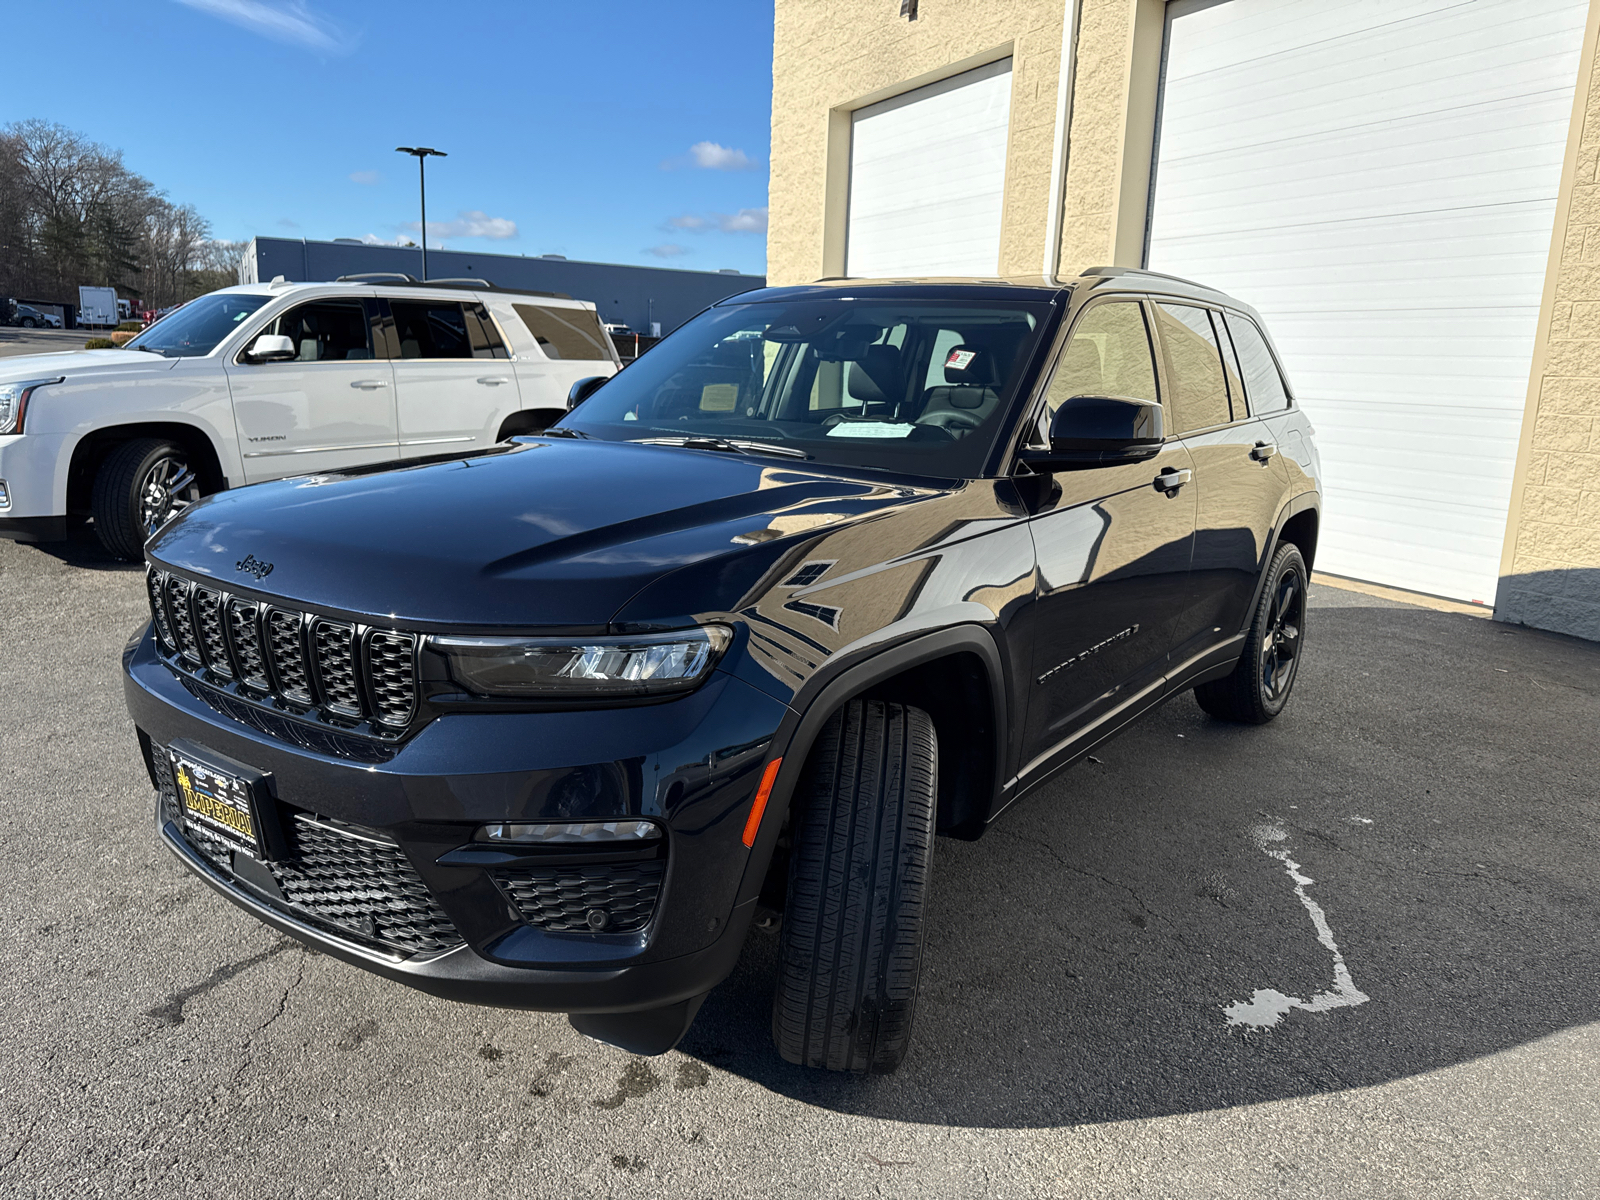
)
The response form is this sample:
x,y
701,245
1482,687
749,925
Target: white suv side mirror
x,y
271,347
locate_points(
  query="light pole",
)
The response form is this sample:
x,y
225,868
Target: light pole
x,y
420,153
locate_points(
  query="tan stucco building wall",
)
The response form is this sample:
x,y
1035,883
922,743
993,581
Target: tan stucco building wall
x,y
831,57
1550,573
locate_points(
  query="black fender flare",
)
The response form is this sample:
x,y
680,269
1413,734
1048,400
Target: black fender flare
x,y
1293,507
826,692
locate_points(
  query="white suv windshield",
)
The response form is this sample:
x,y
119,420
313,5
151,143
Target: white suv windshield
x,y
198,326
919,386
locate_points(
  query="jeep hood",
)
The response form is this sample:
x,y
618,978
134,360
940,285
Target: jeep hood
x,y
547,533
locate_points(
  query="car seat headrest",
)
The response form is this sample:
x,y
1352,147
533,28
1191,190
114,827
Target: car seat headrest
x,y
876,378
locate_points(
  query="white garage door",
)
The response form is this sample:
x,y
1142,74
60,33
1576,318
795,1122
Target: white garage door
x,y
1379,178
927,176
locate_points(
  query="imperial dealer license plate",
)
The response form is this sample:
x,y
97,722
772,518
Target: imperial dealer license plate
x,y
217,799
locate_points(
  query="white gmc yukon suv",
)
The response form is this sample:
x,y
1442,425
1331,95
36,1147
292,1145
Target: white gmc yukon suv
x,y
263,381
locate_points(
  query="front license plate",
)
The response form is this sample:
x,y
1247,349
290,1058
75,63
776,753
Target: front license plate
x,y
219,801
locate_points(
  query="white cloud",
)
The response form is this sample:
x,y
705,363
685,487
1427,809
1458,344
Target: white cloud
x,y
746,220
713,157
470,223
668,250
284,21
366,177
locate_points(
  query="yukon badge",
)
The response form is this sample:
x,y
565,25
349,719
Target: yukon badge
x,y
252,565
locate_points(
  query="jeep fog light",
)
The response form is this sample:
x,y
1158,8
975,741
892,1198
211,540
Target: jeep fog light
x,y
567,832
647,665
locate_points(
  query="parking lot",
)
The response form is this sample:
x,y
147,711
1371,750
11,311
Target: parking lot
x,y
14,341
1425,812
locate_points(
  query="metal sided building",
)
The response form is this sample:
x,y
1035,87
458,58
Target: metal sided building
x,y
1406,189
626,295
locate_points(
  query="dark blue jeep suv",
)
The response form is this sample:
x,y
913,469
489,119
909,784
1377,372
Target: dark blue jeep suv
x,y
831,569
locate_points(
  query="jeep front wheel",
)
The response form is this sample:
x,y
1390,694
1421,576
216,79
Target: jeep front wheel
x,y
858,876
139,486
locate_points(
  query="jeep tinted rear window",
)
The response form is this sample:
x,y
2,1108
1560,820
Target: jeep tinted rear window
x,y
1261,378
566,333
1194,361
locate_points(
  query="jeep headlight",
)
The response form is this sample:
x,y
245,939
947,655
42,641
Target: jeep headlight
x,y
14,402
644,665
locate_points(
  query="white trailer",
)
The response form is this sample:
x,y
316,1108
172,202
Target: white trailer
x,y
97,306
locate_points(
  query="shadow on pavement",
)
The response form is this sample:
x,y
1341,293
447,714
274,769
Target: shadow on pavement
x,y
82,549
1434,775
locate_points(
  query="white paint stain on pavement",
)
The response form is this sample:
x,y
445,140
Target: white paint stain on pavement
x,y
1267,1006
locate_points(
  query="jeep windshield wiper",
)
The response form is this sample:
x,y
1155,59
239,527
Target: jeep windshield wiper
x,y
732,445
577,433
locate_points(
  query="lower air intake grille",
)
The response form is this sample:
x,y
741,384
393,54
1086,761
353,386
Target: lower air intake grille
x,y
362,882
354,880
604,898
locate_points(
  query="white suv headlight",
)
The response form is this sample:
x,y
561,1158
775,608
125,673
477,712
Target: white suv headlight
x,y
646,665
14,401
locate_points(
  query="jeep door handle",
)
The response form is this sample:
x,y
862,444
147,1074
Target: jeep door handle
x,y
1171,480
492,380
366,385
1263,451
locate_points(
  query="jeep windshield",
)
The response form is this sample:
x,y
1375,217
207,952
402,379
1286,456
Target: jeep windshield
x,y
198,326
915,386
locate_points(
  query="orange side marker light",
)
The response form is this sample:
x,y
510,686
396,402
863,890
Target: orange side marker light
x,y
768,778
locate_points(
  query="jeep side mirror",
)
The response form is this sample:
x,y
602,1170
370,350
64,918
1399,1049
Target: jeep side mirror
x,y
584,388
1099,431
271,347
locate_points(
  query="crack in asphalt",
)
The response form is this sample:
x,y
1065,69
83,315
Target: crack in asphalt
x,y
170,1011
1112,883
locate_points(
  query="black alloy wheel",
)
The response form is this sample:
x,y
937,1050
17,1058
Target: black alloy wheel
x,y
1260,684
141,485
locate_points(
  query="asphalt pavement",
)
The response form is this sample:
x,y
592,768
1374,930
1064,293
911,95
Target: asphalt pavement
x,y
15,340
1350,954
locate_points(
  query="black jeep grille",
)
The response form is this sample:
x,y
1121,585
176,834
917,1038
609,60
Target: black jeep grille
x,y
621,896
352,676
336,660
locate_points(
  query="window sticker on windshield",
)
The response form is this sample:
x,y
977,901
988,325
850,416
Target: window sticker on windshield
x,y
719,397
871,429
959,359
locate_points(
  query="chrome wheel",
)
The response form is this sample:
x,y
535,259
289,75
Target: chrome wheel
x,y
168,487
1280,645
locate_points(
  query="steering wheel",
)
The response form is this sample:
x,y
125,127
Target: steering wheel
x,y
952,419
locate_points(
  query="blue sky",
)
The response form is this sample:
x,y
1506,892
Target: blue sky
x,y
626,131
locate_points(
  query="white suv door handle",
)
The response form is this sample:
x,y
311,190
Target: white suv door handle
x,y
492,380
367,385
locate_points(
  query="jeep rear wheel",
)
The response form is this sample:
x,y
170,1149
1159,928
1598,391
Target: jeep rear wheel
x,y
858,875
140,485
1261,682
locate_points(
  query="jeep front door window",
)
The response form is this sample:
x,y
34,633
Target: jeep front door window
x,y
331,406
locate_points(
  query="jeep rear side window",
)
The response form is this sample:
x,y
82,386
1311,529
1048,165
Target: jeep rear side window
x,y
1109,355
1199,384
327,331
566,333
431,329
1261,378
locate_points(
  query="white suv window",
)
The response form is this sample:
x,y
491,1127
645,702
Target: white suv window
x,y
327,331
